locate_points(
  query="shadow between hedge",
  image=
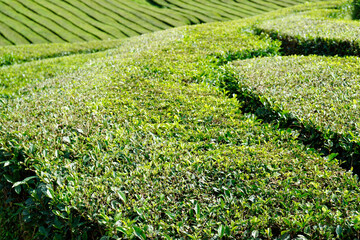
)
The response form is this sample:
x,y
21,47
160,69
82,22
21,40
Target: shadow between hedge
x,y
331,145
315,46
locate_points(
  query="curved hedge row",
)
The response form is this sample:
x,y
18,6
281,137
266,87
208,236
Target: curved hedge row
x,y
142,142
310,35
18,54
29,21
322,93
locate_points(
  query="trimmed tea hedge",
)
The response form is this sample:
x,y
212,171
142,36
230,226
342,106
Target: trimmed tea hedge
x,y
15,79
320,92
142,142
306,35
139,144
18,54
30,21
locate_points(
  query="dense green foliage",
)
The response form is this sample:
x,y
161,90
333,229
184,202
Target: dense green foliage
x,y
195,42
149,140
24,53
320,92
56,21
15,78
303,34
356,14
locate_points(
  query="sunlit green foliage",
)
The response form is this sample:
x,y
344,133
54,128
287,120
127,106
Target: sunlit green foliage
x,y
321,92
149,140
16,78
18,54
303,34
46,21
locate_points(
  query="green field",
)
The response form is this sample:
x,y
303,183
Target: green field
x,y
242,129
57,21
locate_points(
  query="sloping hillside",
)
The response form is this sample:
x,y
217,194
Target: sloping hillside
x,y
197,132
56,21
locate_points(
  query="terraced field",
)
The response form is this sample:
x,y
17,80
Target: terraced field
x,y
46,21
211,131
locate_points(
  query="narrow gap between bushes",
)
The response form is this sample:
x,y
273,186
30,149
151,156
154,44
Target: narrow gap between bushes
x,y
291,45
348,153
309,135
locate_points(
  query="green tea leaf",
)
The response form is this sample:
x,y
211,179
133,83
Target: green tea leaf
x,y
122,196
339,231
221,231
139,233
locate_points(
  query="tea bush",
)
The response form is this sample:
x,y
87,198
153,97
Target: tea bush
x,y
18,54
148,140
356,13
321,92
16,78
309,35
142,143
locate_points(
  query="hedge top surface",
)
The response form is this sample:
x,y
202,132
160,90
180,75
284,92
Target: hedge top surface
x,y
321,90
16,79
302,9
129,141
24,53
141,142
312,27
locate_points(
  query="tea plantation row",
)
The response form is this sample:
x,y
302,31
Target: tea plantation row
x,y
56,21
161,137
